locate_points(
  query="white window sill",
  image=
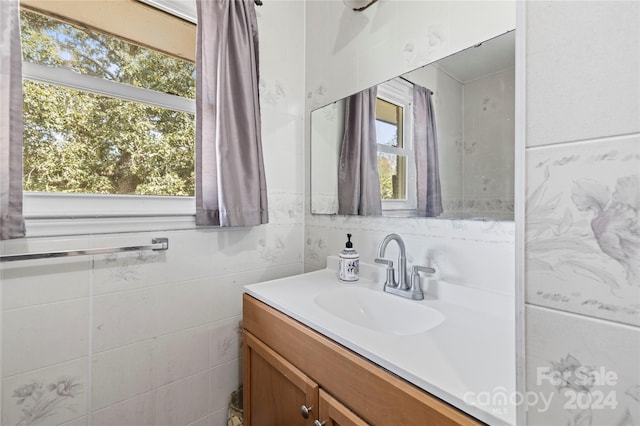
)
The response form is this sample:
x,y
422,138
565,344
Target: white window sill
x,y
91,226
57,214
399,212
399,208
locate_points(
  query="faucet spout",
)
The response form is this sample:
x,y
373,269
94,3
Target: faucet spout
x,y
401,286
402,259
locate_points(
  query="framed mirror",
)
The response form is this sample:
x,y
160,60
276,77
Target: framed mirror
x,y
472,99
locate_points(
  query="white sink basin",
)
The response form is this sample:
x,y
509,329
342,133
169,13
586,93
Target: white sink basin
x,y
378,311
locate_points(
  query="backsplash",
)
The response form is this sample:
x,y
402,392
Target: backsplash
x,y
469,253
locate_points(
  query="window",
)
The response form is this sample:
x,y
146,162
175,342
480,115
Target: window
x,y
108,124
396,163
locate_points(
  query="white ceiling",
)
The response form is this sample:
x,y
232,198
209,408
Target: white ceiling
x,y
490,57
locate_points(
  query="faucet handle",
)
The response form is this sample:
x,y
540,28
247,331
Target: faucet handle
x,y
415,289
387,262
418,268
391,280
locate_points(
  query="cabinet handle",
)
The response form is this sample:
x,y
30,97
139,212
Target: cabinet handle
x,y
318,423
305,411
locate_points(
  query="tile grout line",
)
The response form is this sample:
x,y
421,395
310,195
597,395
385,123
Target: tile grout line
x,y
583,316
44,367
209,369
1,335
38,305
90,349
612,138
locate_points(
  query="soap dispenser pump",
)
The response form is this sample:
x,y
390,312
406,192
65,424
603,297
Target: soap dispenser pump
x,y
349,263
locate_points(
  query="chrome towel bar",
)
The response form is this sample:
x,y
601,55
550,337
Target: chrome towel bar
x,y
157,244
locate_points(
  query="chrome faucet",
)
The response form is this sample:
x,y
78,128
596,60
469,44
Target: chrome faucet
x,y
402,261
401,286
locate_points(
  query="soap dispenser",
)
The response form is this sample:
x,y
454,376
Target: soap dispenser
x,y
349,263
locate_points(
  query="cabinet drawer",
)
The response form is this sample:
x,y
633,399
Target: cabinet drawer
x,y
373,394
275,390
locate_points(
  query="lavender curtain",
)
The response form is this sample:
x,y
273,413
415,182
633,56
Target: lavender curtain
x,y
230,182
11,220
429,195
358,180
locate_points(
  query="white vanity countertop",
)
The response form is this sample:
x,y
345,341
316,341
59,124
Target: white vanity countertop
x,y
468,360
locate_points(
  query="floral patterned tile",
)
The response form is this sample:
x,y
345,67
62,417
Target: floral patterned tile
x,y
50,396
583,228
580,370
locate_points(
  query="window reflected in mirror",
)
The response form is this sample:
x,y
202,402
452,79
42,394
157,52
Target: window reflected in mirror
x,y
391,165
396,164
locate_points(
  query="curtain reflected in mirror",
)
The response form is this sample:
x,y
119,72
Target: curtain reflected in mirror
x,y
358,181
429,194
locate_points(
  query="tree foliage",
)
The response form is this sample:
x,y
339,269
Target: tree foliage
x,y
387,170
76,141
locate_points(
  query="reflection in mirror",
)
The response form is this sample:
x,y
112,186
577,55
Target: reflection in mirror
x,y
467,168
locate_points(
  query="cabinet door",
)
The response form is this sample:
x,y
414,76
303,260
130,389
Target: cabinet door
x,y
275,392
333,413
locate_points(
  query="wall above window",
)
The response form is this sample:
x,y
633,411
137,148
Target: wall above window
x,y
130,20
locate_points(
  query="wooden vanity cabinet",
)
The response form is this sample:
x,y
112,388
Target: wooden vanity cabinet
x,y
276,390
288,365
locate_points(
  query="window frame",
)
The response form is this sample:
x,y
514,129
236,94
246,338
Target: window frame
x,y
52,213
400,92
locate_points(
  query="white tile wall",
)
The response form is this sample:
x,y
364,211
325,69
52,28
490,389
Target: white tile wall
x,y
598,363
181,354
82,421
223,377
122,373
583,60
122,318
225,338
23,284
205,421
184,401
44,335
582,212
218,418
145,333
139,411
183,305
